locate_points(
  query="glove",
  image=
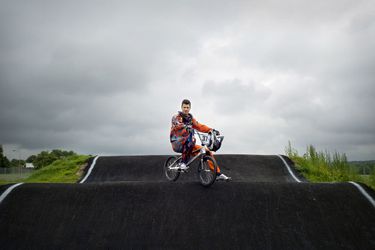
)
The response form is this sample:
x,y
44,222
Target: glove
x,y
216,132
189,128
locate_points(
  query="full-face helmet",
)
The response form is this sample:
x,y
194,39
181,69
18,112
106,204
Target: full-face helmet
x,y
215,141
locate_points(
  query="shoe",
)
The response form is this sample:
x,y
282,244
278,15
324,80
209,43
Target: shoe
x,y
182,166
223,177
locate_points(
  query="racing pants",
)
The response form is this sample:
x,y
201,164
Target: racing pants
x,y
188,151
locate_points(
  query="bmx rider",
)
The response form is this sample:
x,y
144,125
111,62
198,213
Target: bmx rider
x,y
183,140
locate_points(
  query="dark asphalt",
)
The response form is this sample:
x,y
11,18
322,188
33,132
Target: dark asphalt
x,y
127,204
243,168
4,187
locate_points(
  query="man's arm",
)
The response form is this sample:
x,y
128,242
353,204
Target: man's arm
x,y
177,122
201,127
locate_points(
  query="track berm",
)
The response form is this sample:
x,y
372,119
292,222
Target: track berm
x,y
126,203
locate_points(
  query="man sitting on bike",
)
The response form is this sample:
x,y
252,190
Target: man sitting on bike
x,y
183,140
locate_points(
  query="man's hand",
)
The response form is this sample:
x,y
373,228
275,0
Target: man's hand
x,y
189,128
216,132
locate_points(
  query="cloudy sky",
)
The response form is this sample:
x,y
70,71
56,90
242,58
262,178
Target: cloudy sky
x,y
105,77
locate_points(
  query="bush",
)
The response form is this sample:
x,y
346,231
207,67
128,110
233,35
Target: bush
x,y
45,158
325,167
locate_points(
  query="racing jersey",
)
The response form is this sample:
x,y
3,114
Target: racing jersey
x,y
178,130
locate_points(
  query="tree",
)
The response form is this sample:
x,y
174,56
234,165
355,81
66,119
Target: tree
x,y
14,163
45,158
31,158
4,162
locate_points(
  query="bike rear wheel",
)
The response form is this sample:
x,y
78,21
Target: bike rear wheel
x,y
207,176
171,174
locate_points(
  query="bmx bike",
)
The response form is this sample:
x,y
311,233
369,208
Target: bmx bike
x,y
206,175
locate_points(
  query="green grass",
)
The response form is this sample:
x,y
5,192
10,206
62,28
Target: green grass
x,y
68,170
326,167
5,180
13,177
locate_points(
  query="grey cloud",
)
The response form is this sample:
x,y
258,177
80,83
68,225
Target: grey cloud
x,y
234,96
106,77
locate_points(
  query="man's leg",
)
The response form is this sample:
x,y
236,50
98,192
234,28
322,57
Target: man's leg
x,y
187,148
210,164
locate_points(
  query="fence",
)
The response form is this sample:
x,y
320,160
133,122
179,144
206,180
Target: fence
x,y
13,174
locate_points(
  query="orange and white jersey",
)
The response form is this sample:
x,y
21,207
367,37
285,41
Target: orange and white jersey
x,y
178,129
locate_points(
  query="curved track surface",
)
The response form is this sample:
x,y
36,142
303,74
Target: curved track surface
x,y
242,168
126,203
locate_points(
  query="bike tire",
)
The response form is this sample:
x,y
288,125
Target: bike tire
x,y
172,175
206,176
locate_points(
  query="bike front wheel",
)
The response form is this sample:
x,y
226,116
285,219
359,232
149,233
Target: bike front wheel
x,y
207,175
170,170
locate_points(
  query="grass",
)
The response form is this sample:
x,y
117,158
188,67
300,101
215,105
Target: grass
x,y
6,180
13,177
324,166
68,170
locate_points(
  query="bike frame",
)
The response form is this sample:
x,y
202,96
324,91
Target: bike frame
x,y
202,150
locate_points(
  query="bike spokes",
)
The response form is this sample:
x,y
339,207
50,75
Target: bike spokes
x,y
170,168
207,171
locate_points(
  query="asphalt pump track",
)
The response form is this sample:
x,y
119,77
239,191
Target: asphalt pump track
x,y
125,202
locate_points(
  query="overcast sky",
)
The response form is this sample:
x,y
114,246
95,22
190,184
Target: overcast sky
x,y
105,77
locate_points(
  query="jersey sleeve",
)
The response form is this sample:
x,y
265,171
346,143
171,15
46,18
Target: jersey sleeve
x,y
201,127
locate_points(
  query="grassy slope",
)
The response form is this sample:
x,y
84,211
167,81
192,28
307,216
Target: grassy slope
x,y
62,171
321,173
323,167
